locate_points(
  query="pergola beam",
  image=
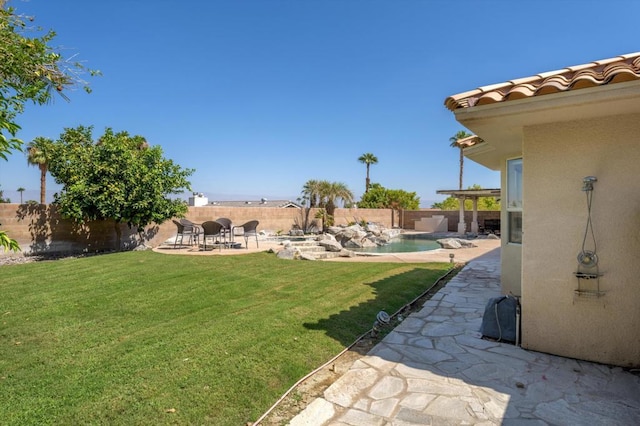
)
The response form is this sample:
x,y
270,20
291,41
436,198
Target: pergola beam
x,y
473,195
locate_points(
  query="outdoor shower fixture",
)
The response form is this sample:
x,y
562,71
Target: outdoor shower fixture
x,y
587,183
587,258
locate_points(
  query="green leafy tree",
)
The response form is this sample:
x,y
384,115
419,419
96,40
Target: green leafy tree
x,y
119,178
380,197
38,151
376,198
488,203
368,159
7,243
450,203
398,200
453,142
31,70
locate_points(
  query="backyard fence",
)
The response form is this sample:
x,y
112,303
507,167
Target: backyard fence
x,y
41,228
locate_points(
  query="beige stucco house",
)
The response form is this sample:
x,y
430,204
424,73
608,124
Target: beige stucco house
x,y
567,144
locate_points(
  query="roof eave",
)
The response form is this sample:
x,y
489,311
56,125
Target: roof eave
x,y
500,125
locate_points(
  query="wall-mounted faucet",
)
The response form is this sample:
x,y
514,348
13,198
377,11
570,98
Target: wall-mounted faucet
x,y
587,183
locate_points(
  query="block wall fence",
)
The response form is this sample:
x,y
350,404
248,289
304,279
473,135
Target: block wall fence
x,y
41,229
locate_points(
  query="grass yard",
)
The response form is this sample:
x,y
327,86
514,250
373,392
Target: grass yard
x,y
144,338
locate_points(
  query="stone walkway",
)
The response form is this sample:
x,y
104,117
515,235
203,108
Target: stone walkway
x,y
434,369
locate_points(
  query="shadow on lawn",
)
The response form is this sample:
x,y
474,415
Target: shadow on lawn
x,y
50,234
442,358
393,296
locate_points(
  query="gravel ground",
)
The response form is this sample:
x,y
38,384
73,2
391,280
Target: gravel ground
x,y
17,259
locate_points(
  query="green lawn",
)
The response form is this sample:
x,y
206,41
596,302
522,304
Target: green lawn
x,y
145,338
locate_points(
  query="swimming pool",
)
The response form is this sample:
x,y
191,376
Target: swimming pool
x,y
403,244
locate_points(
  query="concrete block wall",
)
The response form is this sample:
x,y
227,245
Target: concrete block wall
x,y
272,219
41,229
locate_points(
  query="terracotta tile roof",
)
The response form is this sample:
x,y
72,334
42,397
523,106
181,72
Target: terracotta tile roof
x,y
598,73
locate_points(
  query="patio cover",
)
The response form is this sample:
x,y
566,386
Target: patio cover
x,y
473,195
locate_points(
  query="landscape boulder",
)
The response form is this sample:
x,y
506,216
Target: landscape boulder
x,y
455,243
355,236
359,243
330,245
289,253
347,253
325,236
373,228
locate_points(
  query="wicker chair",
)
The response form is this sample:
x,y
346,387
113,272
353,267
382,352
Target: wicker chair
x,y
186,229
227,226
215,231
248,229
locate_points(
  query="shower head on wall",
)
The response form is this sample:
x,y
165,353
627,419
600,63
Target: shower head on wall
x,y
587,183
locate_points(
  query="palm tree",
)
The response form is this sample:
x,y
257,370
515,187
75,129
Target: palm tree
x,y
21,190
37,155
368,159
324,195
454,144
331,192
311,192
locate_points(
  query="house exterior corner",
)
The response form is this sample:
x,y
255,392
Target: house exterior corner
x,y
570,307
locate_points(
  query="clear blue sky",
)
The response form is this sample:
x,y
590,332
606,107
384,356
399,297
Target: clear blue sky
x,y
260,96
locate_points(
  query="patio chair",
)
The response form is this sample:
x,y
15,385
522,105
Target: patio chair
x,y
190,231
214,230
249,229
227,226
194,227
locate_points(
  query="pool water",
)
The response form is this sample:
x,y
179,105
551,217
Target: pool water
x,y
403,244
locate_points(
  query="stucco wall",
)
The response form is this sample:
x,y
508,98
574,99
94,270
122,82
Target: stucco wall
x,y
41,229
556,159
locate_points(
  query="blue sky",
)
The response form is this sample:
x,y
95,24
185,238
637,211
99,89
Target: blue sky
x,y
260,96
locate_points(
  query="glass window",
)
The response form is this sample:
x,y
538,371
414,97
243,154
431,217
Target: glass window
x,y
514,200
515,227
514,184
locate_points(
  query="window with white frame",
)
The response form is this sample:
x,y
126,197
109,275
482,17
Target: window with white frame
x,y
514,200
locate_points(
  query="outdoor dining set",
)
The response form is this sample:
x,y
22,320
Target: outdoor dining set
x,y
220,233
